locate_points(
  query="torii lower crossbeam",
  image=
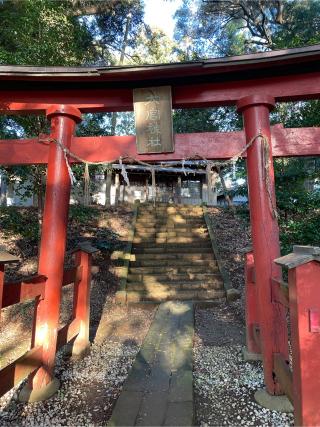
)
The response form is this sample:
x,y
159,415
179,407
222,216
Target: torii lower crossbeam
x,y
286,142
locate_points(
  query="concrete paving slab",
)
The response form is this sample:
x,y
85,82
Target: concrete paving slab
x,y
159,387
179,414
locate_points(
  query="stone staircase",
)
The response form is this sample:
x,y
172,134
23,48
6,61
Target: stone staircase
x,y
172,256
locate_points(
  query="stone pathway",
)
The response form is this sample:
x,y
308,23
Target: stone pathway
x,y
159,388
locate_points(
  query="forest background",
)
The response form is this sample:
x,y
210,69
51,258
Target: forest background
x,y
114,32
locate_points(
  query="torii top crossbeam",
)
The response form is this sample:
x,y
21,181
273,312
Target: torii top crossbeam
x,y
286,75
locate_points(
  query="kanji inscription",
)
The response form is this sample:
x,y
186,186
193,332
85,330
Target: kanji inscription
x,y
153,117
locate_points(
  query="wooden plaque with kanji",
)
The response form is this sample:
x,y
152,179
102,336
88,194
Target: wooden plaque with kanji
x,y
153,118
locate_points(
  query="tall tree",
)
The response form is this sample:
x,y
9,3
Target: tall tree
x,y
38,32
259,18
66,32
116,31
228,27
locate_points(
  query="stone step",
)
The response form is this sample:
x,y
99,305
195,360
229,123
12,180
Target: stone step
x,y
173,218
202,233
173,286
168,263
154,241
162,248
171,211
171,227
164,234
177,219
184,214
175,244
176,269
174,256
194,240
164,226
172,278
178,295
172,232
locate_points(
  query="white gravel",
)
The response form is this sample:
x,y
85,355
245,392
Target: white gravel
x,y
88,390
224,385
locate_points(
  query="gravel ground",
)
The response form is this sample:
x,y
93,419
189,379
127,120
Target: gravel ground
x,y
223,383
90,386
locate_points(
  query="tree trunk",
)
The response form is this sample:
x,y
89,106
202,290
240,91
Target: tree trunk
x,y
3,191
123,50
108,178
179,185
117,188
211,186
225,191
147,190
123,191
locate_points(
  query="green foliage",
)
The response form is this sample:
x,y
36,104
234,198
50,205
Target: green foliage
x,y
222,119
297,114
298,201
193,120
303,230
301,24
295,179
153,47
24,222
38,32
200,34
79,214
118,29
224,28
41,32
105,245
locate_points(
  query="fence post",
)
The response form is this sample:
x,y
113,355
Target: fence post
x,y
252,350
5,258
81,301
304,303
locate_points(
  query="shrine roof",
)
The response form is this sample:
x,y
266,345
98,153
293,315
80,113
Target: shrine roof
x,y
266,64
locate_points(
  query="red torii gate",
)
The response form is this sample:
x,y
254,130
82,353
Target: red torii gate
x,y
252,82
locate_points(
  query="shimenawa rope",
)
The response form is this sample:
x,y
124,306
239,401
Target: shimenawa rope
x,y
210,164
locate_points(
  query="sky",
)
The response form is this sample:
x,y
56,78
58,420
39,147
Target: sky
x,y
159,14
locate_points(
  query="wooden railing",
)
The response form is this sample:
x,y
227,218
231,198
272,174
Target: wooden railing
x,y
301,295
33,288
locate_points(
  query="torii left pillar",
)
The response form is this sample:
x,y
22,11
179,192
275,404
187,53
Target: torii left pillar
x,y
42,384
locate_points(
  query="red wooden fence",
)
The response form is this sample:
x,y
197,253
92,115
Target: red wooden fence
x,y
300,296
34,288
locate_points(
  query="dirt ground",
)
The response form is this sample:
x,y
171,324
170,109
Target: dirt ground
x,y
106,229
233,236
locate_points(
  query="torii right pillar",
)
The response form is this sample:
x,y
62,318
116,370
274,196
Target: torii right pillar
x,y
265,232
